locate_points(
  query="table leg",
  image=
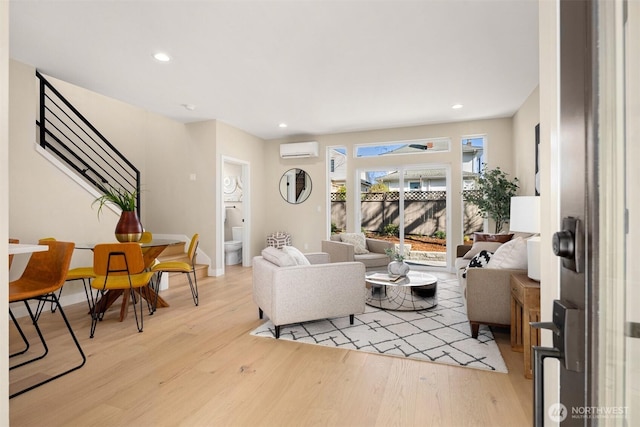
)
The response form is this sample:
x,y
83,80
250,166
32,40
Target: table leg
x,y
516,325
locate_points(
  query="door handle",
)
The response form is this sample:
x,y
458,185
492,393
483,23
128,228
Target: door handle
x,y
568,244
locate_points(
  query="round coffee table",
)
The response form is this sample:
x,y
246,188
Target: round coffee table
x,y
416,291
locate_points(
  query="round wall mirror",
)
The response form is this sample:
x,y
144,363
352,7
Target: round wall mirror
x,y
295,186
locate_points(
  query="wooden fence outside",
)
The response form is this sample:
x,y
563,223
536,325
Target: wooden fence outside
x,y
425,212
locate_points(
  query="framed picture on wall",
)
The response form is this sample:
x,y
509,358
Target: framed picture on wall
x,y
537,177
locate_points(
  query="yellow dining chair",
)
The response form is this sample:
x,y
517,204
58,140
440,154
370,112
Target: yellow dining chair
x,y
187,268
85,274
119,267
43,276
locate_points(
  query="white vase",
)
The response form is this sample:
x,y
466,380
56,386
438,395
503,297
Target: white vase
x,y
398,268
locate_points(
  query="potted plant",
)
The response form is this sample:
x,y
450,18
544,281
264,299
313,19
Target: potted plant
x,y
397,267
493,195
128,228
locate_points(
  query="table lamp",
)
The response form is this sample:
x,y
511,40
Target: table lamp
x,y
525,217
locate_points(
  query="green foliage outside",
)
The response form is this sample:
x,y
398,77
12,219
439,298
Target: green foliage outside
x,y
379,187
493,197
440,234
391,230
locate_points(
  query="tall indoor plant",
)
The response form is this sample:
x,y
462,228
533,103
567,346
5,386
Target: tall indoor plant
x,y
129,227
493,195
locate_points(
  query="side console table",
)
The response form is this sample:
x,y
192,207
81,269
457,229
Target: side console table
x,y
525,308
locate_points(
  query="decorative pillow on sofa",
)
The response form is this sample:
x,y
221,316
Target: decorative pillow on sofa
x,y
297,256
481,260
481,246
512,254
486,237
278,257
357,240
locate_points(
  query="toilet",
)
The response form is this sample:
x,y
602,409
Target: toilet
x,y
233,248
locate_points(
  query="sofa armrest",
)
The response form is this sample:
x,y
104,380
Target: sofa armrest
x,y
488,295
461,250
318,257
338,251
378,246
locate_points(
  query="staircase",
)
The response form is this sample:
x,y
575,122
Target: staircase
x,y
179,253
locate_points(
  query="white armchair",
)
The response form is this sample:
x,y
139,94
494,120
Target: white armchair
x,y
299,293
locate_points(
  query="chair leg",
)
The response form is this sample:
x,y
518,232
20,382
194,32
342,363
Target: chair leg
x,y
260,312
277,332
139,323
157,290
475,328
194,286
54,299
87,292
44,344
95,314
22,335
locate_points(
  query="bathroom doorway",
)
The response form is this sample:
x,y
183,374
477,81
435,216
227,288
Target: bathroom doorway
x,y
234,223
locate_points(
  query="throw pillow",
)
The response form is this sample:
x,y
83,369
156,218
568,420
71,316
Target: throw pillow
x,y
481,260
486,237
357,240
512,254
481,246
297,256
278,257
278,239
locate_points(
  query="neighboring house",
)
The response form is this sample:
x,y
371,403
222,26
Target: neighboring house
x,y
423,180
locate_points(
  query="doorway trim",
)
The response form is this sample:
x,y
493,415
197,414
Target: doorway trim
x,y
246,213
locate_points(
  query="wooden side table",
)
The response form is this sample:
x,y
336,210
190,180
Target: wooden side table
x,y
525,308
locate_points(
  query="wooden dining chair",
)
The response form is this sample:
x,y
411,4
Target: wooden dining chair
x,y
119,267
187,268
44,274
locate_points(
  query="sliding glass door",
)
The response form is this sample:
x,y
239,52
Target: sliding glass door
x,y
408,206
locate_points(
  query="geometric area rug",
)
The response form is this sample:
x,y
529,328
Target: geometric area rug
x,y
439,335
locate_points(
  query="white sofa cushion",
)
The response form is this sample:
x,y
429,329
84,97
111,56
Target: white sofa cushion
x,y
297,256
512,254
482,246
278,257
358,241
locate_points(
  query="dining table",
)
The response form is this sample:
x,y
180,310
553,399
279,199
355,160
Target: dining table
x,y
150,251
25,248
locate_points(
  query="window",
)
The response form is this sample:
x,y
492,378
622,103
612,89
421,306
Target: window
x,y
417,146
472,160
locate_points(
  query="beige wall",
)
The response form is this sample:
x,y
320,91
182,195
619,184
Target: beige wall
x,y
524,123
169,154
308,222
45,202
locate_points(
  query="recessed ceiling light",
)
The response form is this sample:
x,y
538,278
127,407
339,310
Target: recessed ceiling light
x,y
282,125
457,106
162,57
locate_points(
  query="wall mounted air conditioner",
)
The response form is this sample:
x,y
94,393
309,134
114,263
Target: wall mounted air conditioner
x,y
299,149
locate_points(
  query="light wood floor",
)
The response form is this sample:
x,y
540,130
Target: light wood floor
x,y
198,366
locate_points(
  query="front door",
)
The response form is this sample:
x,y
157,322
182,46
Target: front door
x,y
578,204
596,317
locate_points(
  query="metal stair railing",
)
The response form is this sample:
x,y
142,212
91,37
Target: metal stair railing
x,y
73,140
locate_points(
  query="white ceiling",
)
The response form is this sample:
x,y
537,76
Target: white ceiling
x,y
319,66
